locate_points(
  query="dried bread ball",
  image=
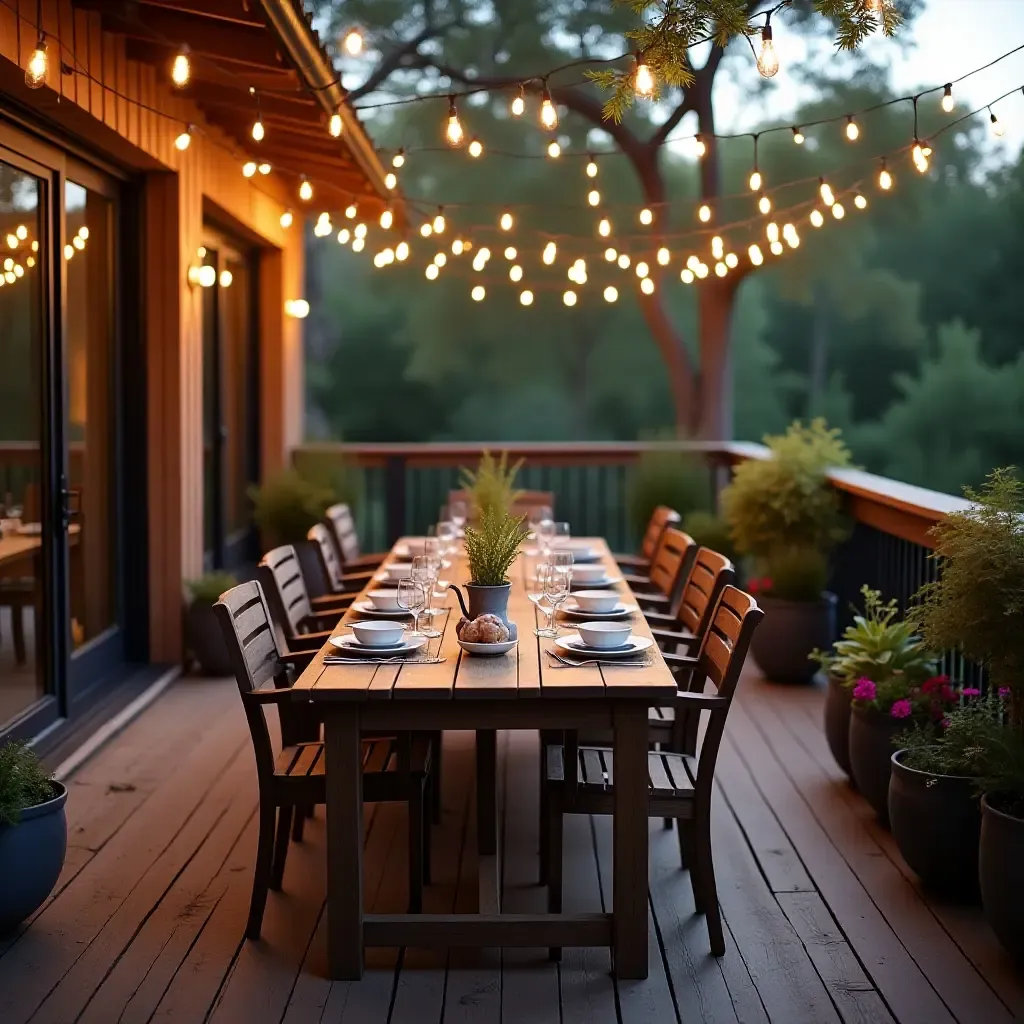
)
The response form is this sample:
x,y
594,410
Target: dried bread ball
x,y
485,629
460,626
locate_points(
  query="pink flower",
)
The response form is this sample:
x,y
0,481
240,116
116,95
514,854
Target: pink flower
x,y
1004,691
865,690
971,691
901,709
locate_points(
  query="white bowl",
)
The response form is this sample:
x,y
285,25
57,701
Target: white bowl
x,y
398,570
604,634
598,601
588,573
378,634
384,600
414,546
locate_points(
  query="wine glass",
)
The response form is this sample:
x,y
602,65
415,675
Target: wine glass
x,y
537,515
412,598
561,535
424,572
446,534
457,512
556,590
544,570
545,534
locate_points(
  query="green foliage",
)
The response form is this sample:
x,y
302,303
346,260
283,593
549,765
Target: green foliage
x,y
286,505
492,546
795,573
784,502
877,646
671,478
23,782
973,732
492,485
977,604
710,531
208,587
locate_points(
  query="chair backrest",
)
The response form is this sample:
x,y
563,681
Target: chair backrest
x,y
248,632
338,518
710,573
327,554
661,519
280,574
671,561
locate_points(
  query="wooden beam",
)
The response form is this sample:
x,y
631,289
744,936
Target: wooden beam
x,y
297,104
226,10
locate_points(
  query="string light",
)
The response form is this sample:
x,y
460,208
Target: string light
x,y
827,195
642,270
884,177
702,270
604,227
772,232
350,211
510,252
458,246
264,168
519,103
699,146
721,269
860,202
611,293
359,231
249,168
431,272
817,218
998,128
594,197
550,251
305,191
426,230
548,113
764,204
38,66
180,68
776,248
476,148
506,221
623,261
704,213
258,131
390,181
732,260
920,157
611,255
646,217
387,218
767,59
647,286
440,259
526,297
664,256
184,140
343,236
402,251
643,80
336,126
569,297
591,167
755,181
852,131
353,42
286,219
948,103
717,247
838,211
478,293
554,150
798,138
453,134
358,244
398,160
515,273
439,221
686,275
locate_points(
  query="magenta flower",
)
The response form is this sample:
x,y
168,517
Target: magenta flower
x,y
1004,691
901,709
971,691
864,690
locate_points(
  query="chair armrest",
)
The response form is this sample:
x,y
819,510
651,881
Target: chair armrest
x,y
671,636
680,660
654,598
298,661
279,695
636,581
660,619
365,563
700,700
324,617
637,562
326,603
308,642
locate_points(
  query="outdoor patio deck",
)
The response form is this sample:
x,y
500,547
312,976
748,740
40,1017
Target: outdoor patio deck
x,y
825,923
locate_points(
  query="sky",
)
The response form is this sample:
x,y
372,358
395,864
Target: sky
x,y
948,39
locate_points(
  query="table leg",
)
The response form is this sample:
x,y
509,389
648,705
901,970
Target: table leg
x,y
486,792
630,842
344,843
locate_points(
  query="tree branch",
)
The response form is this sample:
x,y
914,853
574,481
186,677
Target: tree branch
x,y
400,57
684,106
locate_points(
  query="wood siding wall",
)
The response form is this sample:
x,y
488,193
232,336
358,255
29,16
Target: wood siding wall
x,y
105,117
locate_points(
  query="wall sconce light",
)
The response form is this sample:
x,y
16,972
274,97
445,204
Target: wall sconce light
x,y
297,308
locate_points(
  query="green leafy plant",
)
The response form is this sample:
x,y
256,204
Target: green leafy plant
x,y
287,505
492,484
23,782
492,546
710,531
977,604
208,587
965,745
665,477
782,512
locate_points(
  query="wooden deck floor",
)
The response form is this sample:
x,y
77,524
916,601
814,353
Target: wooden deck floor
x,y
824,922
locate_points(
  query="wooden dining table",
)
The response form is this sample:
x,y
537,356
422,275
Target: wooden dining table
x,y
524,689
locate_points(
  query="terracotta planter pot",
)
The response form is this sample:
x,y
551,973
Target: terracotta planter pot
x,y
936,822
31,858
1000,856
791,630
837,721
871,749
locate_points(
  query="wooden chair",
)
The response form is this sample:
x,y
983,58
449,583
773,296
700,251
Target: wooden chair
x,y
580,779
337,583
661,519
338,519
663,589
395,769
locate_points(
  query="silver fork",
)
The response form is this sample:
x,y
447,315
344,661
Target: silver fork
x,y
330,660
566,663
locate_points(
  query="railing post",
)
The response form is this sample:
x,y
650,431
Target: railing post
x,y
395,497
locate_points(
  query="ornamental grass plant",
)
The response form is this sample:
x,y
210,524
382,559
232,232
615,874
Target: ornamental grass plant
x,y
23,782
492,484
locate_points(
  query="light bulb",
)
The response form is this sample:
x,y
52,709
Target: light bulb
x,y
827,195
717,247
554,150
772,232
390,181
359,231
180,70
686,275
647,286
519,103
664,256
623,261
526,297
798,136
453,133
817,219
351,210
184,140
699,146
569,297
398,159
458,246
920,158
643,80
704,213
78,242
336,126
286,219
755,181
358,244
22,232
550,251
998,128
439,222
483,254
776,248
515,272
591,167
305,191
884,179
764,204
402,251
837,211
948,103
702,270
604,227
264,168
249,168
343,236
510,252
476,148
387,218
226,277
852,131
506,221
721,269
611,293
478,293
548,113
440,259
298,308
258,131
353,42
646,217
38,65
642,270
594,197
731,260
768,59
860,202
611,255
431,272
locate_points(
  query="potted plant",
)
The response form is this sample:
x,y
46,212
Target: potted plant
x,y
33,834
782,512
710,531
492,484
668,477
877,643
934,810
203,636
491,548
977,606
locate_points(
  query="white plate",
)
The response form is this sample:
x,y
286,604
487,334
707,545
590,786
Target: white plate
x,y
489,650
573,644
369,608
620,611
608,581
350,645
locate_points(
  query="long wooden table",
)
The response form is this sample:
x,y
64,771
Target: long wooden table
x,y
518,691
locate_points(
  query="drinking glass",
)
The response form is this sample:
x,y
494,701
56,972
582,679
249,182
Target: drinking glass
x,y
544,570
561,535
538,513
556,590
457,512
424,572
446,534
412,598
545,534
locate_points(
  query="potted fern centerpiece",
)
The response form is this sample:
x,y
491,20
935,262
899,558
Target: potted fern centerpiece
x,y
491,548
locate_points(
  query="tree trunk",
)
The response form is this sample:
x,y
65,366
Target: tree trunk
x,y
678,365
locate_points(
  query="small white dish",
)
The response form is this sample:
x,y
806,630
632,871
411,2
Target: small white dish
x,y
488,650
573,644
378,634
366,608
586,573
621,611
605,581
350,645
600,601
604,634
384,600
398,571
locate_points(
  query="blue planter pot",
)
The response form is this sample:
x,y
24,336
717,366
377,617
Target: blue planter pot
x,y
31,858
